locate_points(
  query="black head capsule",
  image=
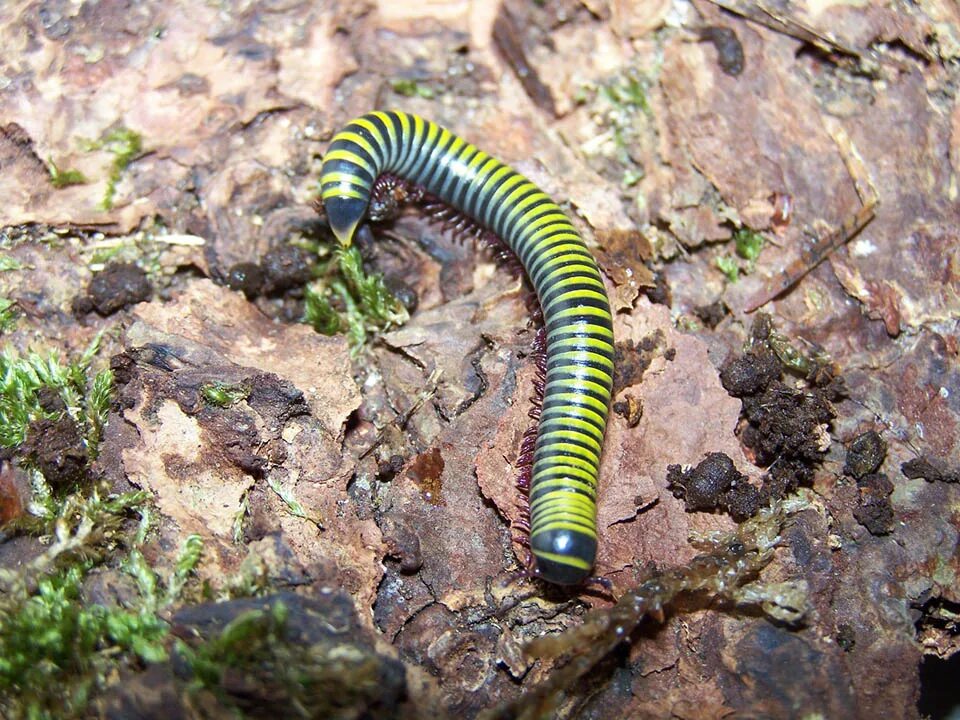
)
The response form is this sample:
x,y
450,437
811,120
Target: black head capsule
x,y
344,214
563,557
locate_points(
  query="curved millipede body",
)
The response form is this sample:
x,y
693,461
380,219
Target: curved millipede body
x,y
579,332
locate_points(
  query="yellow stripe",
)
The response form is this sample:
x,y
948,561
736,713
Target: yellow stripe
x,y
581,355
579,423
587,270
558,221
570,560
580,457
584,310
344,178
574,513
556,500
545,474
388,124
566,485
341,191
571,435
600,417
341,154
360,140
571,295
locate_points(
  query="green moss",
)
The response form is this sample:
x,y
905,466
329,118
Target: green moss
x,y
57,648
348,299
23,378
272,659
224,395
375,303
624,115
156,593
294,506
747,246
96,410
241,643
8,315
627,90
149,248
411,88
8,307
125,145
748,243
319,313
631,177
25,385
64,178
729,267
8,263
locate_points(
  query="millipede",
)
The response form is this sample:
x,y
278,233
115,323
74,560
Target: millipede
x,y
578,325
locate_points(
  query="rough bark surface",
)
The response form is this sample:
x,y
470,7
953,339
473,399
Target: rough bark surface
x,y
404,457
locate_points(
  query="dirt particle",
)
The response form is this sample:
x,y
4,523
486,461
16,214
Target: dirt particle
x,y
285,267
50,400
865,454
846,637
56,449
272,396
729,49
117,286
247,277
388,469
660,293
743,500
874,511
630,409
749,374
711,315
714,484
403,292
787,428
930,469
403,544
631,360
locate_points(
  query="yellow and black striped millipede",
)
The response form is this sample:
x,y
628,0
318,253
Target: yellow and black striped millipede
x,y
576,312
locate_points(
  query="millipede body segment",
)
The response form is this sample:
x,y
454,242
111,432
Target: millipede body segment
x,y
576,312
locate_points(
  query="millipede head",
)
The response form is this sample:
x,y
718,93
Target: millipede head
x,y
344,215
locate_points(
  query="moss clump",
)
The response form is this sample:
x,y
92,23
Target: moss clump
x,y
747,246
346,298
40,386
624,116
729,267
125,145
224,395
65,178
57,648
8,315
411,88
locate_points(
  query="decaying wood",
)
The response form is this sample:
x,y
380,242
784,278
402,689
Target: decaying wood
x,y
389,475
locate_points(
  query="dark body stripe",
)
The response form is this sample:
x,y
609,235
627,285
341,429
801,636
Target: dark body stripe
x,y
563,485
